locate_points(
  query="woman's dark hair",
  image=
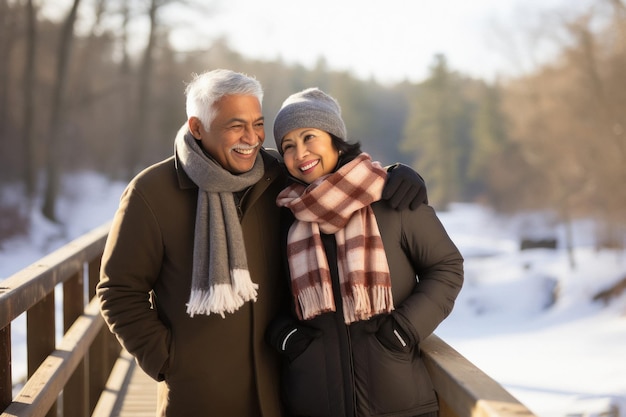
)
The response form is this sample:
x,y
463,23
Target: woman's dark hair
x,y
347,151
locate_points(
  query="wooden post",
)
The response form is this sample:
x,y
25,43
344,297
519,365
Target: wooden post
x,y
40,336
6,377
100,364
75,402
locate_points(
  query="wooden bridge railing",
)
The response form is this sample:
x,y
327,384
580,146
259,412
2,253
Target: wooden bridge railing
x,y
77,368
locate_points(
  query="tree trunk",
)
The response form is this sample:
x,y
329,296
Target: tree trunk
x,y
145,77
7,41
53,154
28,123
84,60
569,241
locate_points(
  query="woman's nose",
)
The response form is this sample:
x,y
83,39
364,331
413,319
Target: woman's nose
x,y
301,151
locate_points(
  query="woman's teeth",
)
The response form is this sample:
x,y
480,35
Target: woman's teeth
x,y
308,166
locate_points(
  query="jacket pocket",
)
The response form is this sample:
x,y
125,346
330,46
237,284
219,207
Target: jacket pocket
x,y
305,383
391,382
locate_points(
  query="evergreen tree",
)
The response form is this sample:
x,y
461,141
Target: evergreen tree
x,y
436,132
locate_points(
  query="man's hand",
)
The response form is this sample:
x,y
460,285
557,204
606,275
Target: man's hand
x,y
405,188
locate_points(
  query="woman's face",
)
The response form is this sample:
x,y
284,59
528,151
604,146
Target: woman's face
x,y
309,153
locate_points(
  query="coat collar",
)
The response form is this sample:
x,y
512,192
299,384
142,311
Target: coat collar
x,y
184,182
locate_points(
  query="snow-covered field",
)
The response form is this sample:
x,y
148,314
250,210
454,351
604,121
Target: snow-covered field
x,y
526,318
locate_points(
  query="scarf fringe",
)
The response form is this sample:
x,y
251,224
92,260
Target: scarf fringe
x,y
219,299
316,300
382,299
223,298
243,285
365,303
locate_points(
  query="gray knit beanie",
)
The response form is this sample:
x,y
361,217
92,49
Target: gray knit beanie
x,y
309,108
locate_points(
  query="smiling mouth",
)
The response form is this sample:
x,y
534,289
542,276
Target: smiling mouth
x,y
246,151
309,165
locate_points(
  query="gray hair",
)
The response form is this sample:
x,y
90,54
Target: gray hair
x,y
205,89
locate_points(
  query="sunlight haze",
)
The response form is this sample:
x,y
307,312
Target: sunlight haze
x,y
390,41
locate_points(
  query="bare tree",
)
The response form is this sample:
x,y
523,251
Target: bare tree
x,y
28,123
8,19
599,57
87,52
53,154
144,77
568,125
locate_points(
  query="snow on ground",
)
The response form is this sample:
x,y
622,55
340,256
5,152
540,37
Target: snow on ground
x,y
89,201
526,318
559,355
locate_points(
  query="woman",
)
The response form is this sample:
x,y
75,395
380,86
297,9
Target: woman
x,y
351,345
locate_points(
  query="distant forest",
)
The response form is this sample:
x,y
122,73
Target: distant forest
x,y
551,139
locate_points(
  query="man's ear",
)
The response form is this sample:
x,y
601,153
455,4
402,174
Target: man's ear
x,y
195,126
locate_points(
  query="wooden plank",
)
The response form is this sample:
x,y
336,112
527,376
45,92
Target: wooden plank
x,y
99,368
467,390
42,389
40,334
109,402
129,392
100,362
140,399
75,390
6,375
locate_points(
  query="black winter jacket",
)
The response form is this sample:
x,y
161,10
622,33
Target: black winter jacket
x,y
365,369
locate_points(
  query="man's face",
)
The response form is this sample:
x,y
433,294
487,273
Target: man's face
x,y
236,134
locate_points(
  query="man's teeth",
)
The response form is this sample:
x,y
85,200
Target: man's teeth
x,y
308,166
246,151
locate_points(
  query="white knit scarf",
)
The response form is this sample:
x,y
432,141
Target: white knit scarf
x,y
221,282
339,203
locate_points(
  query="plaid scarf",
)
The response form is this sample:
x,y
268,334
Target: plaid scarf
x,y
220,282
339,203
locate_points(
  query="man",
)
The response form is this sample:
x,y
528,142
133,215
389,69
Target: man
x,y
191,269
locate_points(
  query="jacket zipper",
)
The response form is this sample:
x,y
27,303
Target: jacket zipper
x,y
352,377
345,346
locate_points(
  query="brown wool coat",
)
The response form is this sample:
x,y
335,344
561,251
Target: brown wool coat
x,y
207,365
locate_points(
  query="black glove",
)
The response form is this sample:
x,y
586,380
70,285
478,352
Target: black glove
x,y
405,188
392,337
293,339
